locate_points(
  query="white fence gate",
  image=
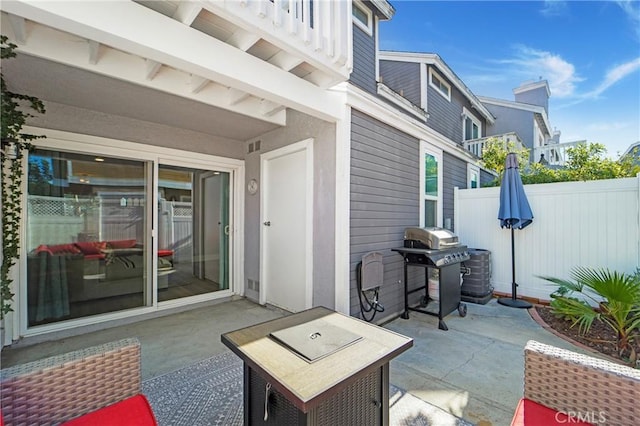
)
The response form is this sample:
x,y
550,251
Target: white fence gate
x,y
590,224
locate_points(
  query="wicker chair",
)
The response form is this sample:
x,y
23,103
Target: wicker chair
x,y
589,389
59,388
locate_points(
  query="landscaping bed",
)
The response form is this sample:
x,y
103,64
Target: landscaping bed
x,y
600,338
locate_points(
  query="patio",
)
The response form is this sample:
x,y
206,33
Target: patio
x,y
474,370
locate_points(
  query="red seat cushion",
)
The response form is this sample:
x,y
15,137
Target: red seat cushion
x,y
134,411
530,413
165,253
94,256
120,244
92,247
59,249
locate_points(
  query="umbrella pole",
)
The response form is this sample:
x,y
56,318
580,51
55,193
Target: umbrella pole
x,y
513,301
514,286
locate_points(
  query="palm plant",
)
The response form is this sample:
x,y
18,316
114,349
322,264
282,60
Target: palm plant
x,y
616,295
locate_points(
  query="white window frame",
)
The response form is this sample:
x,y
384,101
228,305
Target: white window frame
x,y
368,27
434,75
467,114
471,169
425,149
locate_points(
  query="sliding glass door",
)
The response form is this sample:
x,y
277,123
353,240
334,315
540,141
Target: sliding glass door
x,y
193,242
87,235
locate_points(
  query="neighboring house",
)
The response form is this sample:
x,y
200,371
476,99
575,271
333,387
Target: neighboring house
x,y
527,116
198,151
633,152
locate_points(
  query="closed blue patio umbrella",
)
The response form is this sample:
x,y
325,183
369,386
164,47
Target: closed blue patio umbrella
x,y
514,213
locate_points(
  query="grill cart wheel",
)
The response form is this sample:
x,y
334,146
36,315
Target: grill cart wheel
x,y
462,309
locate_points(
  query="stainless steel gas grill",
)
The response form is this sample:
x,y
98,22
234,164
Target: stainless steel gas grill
x,y
439,249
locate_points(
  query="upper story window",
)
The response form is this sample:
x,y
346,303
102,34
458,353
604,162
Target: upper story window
x,y
362,17
439,84
472,126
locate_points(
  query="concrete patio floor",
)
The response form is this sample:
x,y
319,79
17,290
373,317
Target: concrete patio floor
x,y
474,370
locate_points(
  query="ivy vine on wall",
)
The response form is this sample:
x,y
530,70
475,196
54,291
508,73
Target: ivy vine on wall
x,y
15,113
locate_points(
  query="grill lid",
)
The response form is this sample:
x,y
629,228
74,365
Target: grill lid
x,y
431,237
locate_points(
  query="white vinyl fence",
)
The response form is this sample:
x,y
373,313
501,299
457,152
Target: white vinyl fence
x,y
58,220
590,224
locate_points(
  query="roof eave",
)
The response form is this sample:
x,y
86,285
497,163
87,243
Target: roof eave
x,y
436,60
385,8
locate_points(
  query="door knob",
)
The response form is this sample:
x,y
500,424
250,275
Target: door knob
x,y
267,223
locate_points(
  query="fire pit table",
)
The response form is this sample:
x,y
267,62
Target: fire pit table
x,y
316,367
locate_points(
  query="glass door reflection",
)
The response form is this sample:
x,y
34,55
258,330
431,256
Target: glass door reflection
x,y
193,242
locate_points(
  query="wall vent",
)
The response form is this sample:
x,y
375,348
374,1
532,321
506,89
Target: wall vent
x,y
254,146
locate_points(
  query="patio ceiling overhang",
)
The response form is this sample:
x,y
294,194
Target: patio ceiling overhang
x,y
63,84
105,45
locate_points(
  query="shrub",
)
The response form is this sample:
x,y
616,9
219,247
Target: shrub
x,y
616,295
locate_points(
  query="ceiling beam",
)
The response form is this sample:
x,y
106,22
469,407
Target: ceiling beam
x,y
187,12
118,24
56,46
242,39
19,28
94,52
269,108
153,68
198,83
236,96
285,61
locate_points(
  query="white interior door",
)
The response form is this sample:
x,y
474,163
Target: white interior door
x,y
286,252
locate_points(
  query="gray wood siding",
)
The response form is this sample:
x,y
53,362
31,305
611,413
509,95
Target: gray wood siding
x,y
454,173
364,60
402,78
384,201
486,177
446,117
512,120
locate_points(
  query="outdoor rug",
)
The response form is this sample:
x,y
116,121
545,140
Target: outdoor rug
x,y
210,393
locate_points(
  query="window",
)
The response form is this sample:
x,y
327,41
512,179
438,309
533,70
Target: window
x,y
439,84
472,128
430,186
473,176
87,235
103,236
362,17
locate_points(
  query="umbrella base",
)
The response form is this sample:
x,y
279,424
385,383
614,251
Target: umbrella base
x,y
514,303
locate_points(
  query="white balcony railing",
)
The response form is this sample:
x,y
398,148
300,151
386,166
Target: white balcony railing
x,y
315,30
554,154
476,146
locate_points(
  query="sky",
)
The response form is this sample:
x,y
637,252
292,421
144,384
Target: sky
x,y
588,51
